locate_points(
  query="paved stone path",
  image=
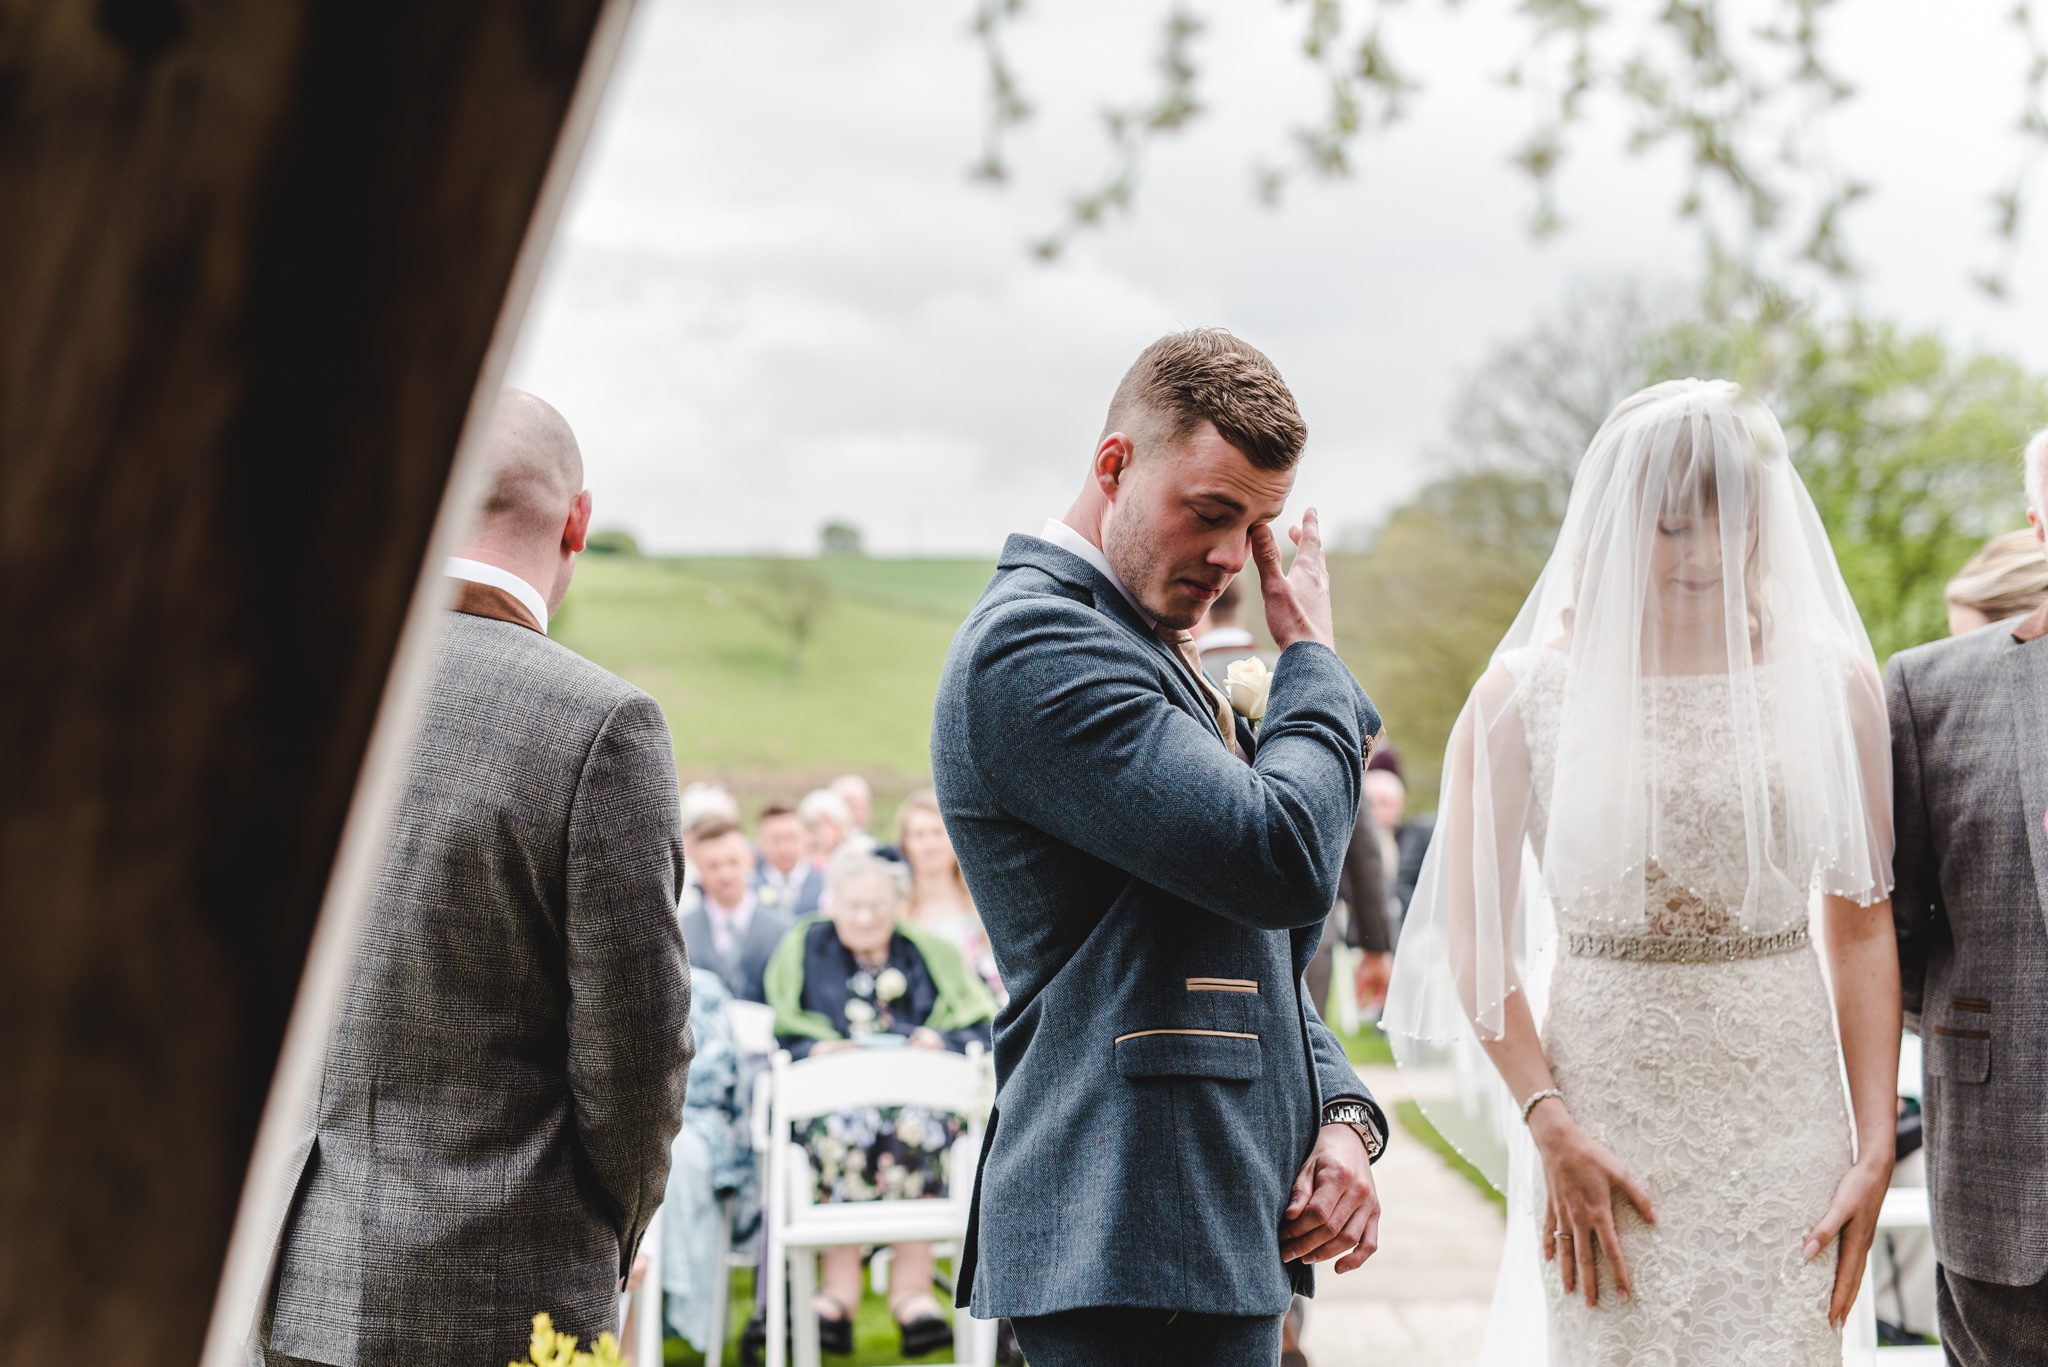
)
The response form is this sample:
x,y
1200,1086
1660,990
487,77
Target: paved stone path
x,y
1422,1299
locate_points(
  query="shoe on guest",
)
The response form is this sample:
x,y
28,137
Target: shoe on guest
x,y
923,1327
835,1325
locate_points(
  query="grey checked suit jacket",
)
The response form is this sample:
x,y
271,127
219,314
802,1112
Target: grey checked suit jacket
x,y
1969,720
1152,902
506,1069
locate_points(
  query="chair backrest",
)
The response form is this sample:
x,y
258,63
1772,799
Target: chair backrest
x,y
753,1028
937,1079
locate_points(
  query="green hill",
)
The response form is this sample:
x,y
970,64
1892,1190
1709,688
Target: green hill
x,y
696,633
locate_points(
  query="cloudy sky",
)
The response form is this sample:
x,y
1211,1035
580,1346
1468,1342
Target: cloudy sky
x,y
778,299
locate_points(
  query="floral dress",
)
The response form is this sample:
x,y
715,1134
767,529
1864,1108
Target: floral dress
x,y
882,1153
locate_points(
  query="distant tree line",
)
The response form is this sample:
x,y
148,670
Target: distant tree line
x,y
1909,448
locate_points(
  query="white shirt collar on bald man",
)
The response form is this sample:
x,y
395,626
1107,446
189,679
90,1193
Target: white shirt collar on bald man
x,y
1067,539
477,572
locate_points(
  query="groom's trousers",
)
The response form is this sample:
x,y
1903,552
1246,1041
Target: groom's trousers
x,y
1147,1338
1984,1324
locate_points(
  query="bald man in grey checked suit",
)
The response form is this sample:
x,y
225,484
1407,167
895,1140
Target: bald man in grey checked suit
x,y
505,1070
1969,720
1177,1136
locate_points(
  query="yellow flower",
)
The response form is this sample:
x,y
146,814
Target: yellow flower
x,y
548,1348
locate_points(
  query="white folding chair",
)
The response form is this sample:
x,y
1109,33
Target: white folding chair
x,y
798,1227
645,1349
753,1028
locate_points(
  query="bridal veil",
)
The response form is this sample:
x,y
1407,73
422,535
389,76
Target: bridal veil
x,y
1689,549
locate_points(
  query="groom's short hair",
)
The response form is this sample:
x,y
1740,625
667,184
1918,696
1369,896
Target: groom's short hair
x,y
1209,375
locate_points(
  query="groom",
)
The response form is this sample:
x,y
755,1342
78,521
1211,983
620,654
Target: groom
x,y
1969,721
1177,1135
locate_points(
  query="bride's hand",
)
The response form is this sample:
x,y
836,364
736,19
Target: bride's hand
x,y
1582,1178
1851,1217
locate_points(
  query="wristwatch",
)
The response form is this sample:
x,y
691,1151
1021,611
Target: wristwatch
x,y
1362,1118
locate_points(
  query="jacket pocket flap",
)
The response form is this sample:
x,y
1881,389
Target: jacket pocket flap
x,y
1230,1054
1961,1055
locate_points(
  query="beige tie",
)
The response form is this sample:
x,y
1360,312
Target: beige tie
x,y
1183,643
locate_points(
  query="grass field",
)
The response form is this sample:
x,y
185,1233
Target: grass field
x,y
875,1337
692,632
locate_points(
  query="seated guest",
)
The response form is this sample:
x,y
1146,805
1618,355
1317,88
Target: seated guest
x,y
702,802
726,928
711,1160
828,821
859,798
2008,578
786,879
861,977
939,901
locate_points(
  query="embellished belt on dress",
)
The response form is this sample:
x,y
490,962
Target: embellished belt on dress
x,y
1685,949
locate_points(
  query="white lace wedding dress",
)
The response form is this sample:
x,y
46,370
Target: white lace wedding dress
x,y
1697,1043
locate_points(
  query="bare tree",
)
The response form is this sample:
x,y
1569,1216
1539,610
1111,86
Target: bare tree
x,y
792,597
1747,98
1534,403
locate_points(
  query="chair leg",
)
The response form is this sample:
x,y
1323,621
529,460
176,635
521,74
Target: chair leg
x,y
803,1308
879,1268
977,1339
721,1287
778,1305
803,1296
646,1350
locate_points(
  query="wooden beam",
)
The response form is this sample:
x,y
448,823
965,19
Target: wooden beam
x,y
252,255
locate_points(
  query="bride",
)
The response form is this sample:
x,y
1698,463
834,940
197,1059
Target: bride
x,y
1680,742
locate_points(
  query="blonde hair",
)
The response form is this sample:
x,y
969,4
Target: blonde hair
x,y
823,802
2007,578
925,800
2034,465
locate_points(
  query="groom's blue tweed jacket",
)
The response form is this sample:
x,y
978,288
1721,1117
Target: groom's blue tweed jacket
x,y
1152,902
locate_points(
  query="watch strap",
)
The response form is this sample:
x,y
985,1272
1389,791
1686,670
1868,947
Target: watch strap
x,y
1365,1119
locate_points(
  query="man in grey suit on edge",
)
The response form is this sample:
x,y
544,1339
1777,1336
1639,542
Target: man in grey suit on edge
x,y
1176,1135
505,1070
1969,719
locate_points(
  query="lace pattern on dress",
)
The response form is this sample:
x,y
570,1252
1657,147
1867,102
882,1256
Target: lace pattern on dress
x,y
1698,1046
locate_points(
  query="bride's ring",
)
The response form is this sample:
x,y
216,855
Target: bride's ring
x,y
1560,1234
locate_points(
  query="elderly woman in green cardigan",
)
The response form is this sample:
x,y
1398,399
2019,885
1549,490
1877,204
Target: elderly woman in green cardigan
x,y
861,977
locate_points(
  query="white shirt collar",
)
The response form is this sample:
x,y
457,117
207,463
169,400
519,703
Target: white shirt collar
x,y
477,572
739,913
1067,539
1224,638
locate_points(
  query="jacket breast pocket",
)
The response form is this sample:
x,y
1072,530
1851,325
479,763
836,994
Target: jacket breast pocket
x,y
1233,1055
1959,1054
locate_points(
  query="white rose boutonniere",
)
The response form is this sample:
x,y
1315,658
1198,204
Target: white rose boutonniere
x,y
1246,683
891,984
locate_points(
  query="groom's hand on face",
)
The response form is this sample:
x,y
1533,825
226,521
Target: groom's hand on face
x,y
1298,600
1334,1210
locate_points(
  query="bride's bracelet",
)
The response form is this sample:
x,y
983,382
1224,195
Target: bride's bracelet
x,y
1534,1097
